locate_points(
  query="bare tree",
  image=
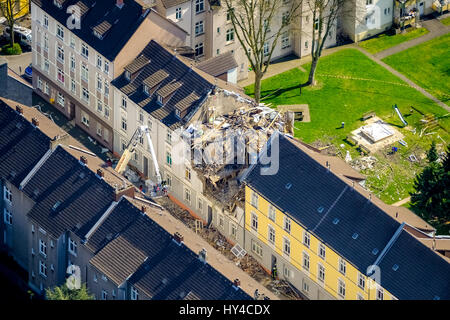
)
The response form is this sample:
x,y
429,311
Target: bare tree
x,y
12,10
258,25
324,18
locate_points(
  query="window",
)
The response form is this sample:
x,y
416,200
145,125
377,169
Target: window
x,y
7,195
159,99
72,62
230,35
73,86
187,195
60,32
187,174
254,200
271,235
316,24
287,272
200,204
178,13
306,239
106,112
46,65
141,117
380,294
305,261
60,53
45,21
85,94
361,281
169,158
134,293
106,88
146,90
124,124
254,221
124,102
45,42
306,44
342,266
84,51
199,6
266,25
99,83
72,247
322,251
72,41
99,62
286,246
305,286
42,248
266,49
42,269
106,67
60,99
368,2
60,75
220,219
169,136
104,295
341,288
233,231
169,180
47,88
272,213
287,224
199,49
321,273
7,216
199,28
257,248
285,40
285,18
85,72
99,106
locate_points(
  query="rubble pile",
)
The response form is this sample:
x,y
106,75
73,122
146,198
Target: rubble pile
x,y
363,163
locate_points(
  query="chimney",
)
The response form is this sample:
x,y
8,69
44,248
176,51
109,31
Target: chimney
x,y
236,283
35,122
178,237
100,173
144,209
83,160
353,185
328,166
19,109
202,255
119,4
396,214
370,196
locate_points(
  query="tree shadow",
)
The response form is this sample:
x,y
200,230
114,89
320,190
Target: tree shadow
x,y
275,93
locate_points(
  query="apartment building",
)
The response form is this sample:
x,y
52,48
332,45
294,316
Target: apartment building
x,y
329,240
71,219
76,55
212,33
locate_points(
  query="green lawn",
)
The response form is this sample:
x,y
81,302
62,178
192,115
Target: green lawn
x,y
335,100
446,21
428,65
386,40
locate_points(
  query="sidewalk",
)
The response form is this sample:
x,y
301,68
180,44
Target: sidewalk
x,y
435,28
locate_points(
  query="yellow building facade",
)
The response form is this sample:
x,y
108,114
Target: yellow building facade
x,y
286,237
21,7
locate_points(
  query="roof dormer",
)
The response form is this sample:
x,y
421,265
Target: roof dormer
x,y
134,68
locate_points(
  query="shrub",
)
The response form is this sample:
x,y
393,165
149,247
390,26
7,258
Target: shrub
x,y
14,50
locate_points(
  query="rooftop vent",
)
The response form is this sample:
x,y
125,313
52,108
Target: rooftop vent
x,y
236,283
35,122
395,267
56,205
143,209
375,251
288,185
19,109
336,221
202,255
83,160
355,236
320,209
178,237
100,173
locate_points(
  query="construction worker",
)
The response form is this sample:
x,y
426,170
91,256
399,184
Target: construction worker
x,y
274,272
256,296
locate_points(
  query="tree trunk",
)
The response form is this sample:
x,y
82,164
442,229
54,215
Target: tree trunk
x,y
258,78
11,31
312,72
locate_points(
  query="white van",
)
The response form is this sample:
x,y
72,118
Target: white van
x,y
21,35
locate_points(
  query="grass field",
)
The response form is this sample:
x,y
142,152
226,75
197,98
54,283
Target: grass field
x,y
446,21
428,65
368,87
387,40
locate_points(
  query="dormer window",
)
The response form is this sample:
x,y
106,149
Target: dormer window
x,y
98,35
57,3
146,90
159,99
128,75
177,113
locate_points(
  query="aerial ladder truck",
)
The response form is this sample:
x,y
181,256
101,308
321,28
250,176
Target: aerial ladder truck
x,y
128,152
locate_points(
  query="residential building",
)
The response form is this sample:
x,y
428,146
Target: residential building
x,y
329,240
76,56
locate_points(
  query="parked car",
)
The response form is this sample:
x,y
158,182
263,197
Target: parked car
x,y
28,72
21,35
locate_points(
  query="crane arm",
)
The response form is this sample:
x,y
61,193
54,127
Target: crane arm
x,y
152,152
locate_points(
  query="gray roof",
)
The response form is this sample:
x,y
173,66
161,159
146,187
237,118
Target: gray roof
x,y
181,86
172,3
115,25
337,214
218,65
68,195
21,145
158,266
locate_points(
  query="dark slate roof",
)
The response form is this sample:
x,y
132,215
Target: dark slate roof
x,y
99,15
421,275
159,266
21,145
119,219
218,65
172,3
176,81
81,195
302,186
